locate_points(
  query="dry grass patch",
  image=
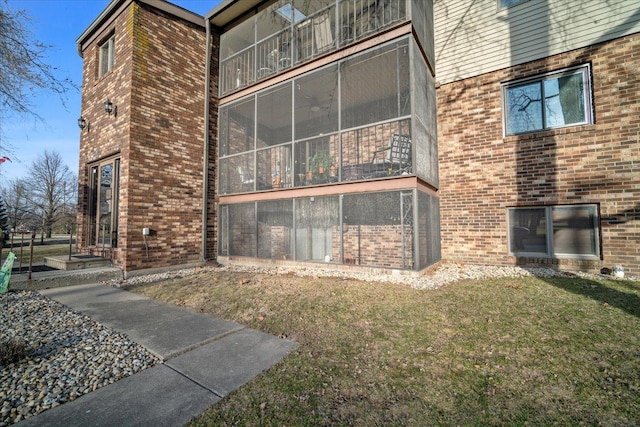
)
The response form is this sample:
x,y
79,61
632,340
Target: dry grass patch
x,y
40,252
12,350
491,352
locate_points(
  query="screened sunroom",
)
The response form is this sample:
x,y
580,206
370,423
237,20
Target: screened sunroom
x,y
388,229
287,33
327,146
352,120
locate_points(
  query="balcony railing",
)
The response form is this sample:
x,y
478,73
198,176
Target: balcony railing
x,y
362,18
238,71
316,35
381,150
337,25
273,54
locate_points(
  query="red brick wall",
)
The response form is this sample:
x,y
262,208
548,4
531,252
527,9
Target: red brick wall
x,y
158,85
378,245
105,135
482,173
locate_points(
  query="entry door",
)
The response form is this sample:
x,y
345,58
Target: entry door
x,y
104,204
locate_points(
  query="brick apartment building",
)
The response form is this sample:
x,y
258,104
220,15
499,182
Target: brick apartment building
x,y
532,182
386,134
141,155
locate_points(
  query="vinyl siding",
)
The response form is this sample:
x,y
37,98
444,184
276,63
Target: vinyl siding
x,y
473,37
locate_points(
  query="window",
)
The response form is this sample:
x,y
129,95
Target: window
x,y
570,231
503,4
103,203
107,55
551,101
290,13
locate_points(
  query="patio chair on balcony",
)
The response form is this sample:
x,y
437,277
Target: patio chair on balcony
x,y
322,33
246,180
394,159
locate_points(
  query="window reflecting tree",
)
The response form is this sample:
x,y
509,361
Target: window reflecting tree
x,y
553,101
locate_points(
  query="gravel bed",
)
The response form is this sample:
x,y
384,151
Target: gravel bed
x,y
440,275
67,355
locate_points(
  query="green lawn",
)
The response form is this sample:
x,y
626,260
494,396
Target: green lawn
x,y
492,352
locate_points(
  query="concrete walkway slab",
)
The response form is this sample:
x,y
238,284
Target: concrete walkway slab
x,y
158,396
205,358
177,331
163,329
224,365
82,296
127,313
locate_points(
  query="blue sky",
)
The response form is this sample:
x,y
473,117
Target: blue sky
x,y
57,23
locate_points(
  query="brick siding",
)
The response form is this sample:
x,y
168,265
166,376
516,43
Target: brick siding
x,y
483,173
212,128
158,85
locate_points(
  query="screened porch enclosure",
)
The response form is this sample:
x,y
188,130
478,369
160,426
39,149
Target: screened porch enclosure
x,y
347,121
340,150
381,229
291,32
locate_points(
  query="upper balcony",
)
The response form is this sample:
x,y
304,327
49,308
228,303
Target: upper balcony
x,y
366,116
289,33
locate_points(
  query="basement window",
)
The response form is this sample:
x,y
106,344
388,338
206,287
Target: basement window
x,y
563,231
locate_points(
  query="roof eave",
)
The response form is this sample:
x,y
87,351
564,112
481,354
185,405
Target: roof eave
x,y
229,10
114,8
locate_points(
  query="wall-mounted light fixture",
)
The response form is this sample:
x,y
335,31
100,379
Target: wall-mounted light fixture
x,y
82,123
110,108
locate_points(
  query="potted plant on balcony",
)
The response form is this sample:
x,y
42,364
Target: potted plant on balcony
x,y
320,162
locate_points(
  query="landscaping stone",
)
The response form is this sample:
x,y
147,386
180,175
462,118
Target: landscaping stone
x,y
440,275
67,355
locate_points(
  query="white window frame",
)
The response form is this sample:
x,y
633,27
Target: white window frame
x,y
107,49
582,70
550,253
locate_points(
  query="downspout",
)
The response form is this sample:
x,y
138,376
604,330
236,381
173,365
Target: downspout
x,y
205,167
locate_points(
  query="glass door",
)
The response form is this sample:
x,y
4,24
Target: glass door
x,y
103,228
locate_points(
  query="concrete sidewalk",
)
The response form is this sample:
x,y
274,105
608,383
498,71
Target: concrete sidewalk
x,y
204,359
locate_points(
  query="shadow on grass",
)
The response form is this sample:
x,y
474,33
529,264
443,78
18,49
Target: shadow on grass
x,y
606,291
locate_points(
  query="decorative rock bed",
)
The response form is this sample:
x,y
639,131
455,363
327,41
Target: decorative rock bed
x,y
440,275
65,355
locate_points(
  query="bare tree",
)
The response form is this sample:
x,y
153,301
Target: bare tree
x,y
4,225
16,198
19,217
49,181
23,70
67,218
